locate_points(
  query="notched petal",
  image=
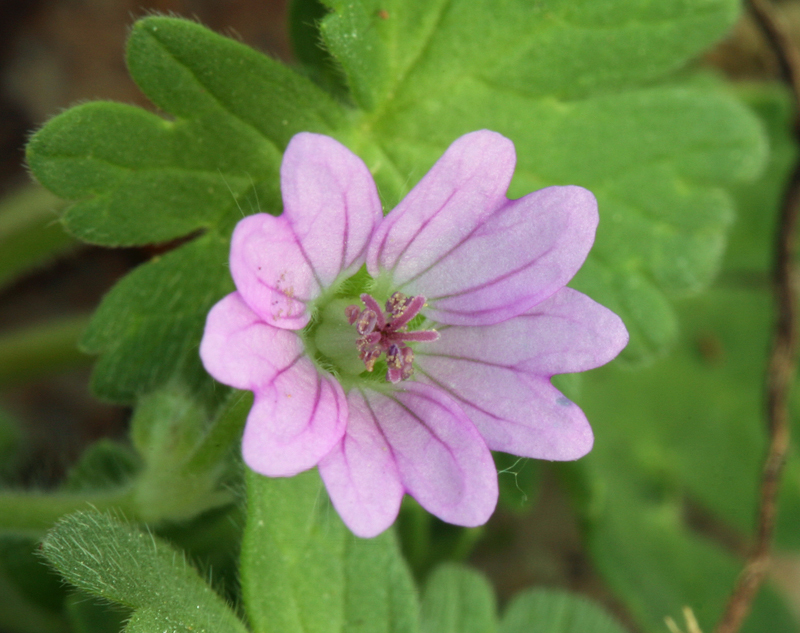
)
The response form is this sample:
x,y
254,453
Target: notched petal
x,y
361,475
442,460
240,350
514,411
294,422
520,255
331,202
271,271
331,208
466,185
567,333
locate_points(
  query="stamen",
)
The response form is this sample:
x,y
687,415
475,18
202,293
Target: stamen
x,y
371,304
420,336
410,309
352,312
388,333
366,322
408,363
396,304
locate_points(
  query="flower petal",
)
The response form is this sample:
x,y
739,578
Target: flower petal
x,y
567,333
331,200
525,252
476,256
240,350
500,373
442,460
461,190
299,414
361,475
295,422
514,411
331,208
271,271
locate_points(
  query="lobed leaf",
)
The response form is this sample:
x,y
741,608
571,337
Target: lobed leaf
x,y
687,435
138,179
399,51
148,328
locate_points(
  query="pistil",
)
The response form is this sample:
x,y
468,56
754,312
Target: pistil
x,y
387,332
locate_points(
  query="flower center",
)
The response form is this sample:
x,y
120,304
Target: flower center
x,y
387,332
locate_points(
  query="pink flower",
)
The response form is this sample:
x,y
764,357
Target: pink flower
x,y
394,353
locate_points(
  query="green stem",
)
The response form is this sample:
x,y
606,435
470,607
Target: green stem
x,y
31,513
40,350
30,234
224,431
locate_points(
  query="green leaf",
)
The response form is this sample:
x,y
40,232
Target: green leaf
x,y
148,328
550,611
308,48
689,434
403,51
564,81
138,178
302,571
189,71
652,561
458,600
114,561
212,541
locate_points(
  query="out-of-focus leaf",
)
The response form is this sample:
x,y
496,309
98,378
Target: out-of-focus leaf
x,y
549,611
458,600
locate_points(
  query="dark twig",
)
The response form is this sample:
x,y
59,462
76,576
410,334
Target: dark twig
x,y
781,367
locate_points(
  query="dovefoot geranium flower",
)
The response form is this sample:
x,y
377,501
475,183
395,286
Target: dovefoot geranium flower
x,y
394,352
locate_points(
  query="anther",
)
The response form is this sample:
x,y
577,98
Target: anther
x,y
352,312
366,321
